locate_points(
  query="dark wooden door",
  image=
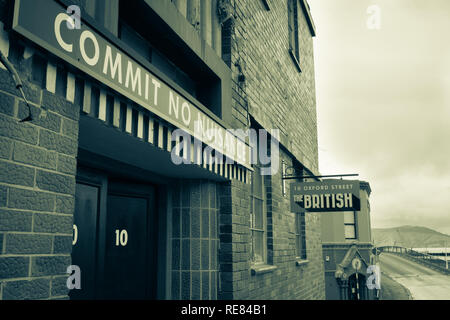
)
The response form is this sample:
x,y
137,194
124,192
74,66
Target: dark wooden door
x,y
130,242
115,247
84,244
357,287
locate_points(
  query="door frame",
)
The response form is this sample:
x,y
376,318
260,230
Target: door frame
x,y
98,179
120,187
89,171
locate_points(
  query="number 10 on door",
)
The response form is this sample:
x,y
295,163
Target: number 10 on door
x,y
121,237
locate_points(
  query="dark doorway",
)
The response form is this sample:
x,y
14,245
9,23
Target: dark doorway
x,y
357,287
130,242
84,248
115,238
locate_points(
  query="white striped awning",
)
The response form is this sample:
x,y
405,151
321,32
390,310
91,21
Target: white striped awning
x,y
128,117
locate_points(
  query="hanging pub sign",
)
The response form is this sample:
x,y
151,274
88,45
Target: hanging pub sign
x,y
327,195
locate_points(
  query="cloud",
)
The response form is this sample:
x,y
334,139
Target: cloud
x,y
383,105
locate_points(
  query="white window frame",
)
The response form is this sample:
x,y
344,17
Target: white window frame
x,y
283,181
300,245
294,32
351,224
253,229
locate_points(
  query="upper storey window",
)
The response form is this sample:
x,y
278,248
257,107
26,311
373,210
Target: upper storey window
x,y
294,48
350,225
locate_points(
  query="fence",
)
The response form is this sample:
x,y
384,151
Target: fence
x,y
431,261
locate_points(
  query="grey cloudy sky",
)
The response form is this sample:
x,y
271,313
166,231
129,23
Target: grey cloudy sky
x,y
383,104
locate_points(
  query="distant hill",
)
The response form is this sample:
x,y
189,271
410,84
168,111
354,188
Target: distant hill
x,y
410,237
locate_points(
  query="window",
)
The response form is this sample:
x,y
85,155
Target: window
x,y
300,235
135,41
294,49
140,30
283,181
266,4
350,225
257,218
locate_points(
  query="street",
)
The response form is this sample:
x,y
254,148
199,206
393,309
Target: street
x,y
422,282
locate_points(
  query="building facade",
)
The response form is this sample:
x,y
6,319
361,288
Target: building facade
x,y
347,251
131,179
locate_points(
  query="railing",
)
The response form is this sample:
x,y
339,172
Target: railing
x,y
431,261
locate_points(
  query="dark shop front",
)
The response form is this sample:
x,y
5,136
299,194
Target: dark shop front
x,y
146,193
144,151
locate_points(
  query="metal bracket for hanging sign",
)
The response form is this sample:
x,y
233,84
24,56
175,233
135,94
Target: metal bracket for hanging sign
x,y
287,177
17,81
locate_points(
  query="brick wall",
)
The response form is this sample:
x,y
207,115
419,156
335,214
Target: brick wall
x,y
38,163
37,181
277,96
235,247
194,240
287,281
274,92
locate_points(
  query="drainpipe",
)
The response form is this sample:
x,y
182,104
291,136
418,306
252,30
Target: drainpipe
x,y
17,81
193,13
216,29
205,21
181,6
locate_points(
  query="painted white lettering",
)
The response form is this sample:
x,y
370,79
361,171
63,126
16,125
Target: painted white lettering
x,y
172,105
240,148
136,80
229,144
86,34
209,129
198,127
116,67
327,200
315,201
186,116
348,199
156,85
58,20
307,201
219,139
339,200
147,79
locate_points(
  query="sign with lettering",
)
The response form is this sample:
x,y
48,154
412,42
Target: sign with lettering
x,y
49,25
327,195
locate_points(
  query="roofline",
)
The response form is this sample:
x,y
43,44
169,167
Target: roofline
x,y
364,185
307,11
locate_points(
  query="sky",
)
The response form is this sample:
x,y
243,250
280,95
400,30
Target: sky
x,y
383,104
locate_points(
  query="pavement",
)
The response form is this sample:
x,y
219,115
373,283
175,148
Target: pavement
x,y
423,283
392,290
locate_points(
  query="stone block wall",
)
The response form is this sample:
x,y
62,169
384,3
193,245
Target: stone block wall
x,y
37,179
